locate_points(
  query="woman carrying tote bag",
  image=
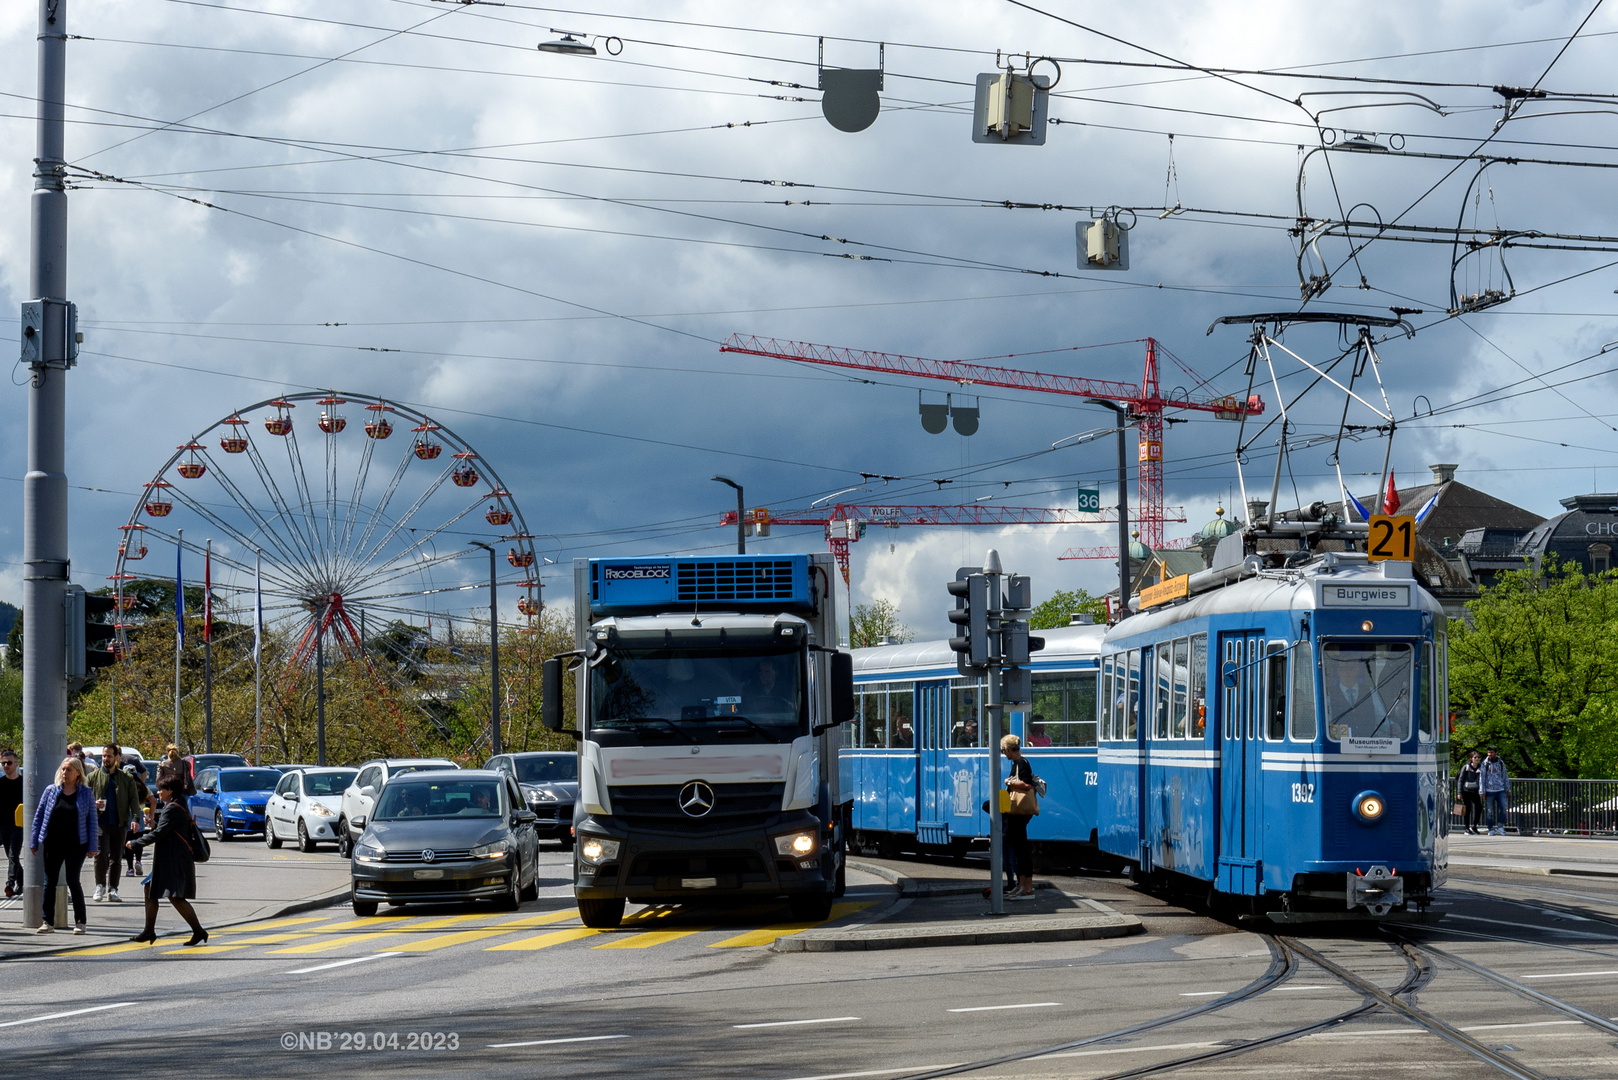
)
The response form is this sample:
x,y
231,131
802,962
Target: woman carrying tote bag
x,y
1024,805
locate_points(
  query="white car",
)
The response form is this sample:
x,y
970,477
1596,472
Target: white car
x,y
360,796
305,807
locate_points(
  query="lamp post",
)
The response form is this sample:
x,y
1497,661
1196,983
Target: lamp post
x,y
1123,501
741,531
494,652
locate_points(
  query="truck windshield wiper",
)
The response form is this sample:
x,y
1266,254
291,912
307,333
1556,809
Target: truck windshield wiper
x,y
677,729
756,727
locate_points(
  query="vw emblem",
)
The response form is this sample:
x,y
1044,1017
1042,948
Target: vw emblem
x,y
696,799
429,855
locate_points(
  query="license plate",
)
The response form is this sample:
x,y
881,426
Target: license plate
x,y
699,883
428,874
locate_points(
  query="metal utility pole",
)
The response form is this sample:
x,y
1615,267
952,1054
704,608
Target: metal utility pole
x,y
48,348
207,652
741,529
320,688
997,851
1123,501
494,652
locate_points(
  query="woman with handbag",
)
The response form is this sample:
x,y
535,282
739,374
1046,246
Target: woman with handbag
x,y
65,826
1024,805
174,869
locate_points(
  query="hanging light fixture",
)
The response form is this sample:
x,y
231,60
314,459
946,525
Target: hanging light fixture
x,y
567,45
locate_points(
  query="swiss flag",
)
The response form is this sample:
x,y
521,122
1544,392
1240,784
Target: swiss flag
x,y
1390,501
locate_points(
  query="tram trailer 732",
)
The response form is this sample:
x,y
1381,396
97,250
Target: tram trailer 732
x,y
709,694
1316,787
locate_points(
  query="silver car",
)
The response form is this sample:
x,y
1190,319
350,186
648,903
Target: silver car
x,y
305,807
360,795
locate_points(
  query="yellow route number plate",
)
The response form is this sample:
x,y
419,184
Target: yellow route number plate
x,y
1392,537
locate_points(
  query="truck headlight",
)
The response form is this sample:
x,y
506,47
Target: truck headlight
x,y
796,844
1369,805
596,850
496,850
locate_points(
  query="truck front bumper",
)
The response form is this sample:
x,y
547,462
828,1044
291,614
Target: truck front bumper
x,y
667,866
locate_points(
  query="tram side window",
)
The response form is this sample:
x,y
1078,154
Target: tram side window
x,y
901,734
1443,688
1425,720
1230,669
966,728
1199,682
1275,688
1106,698
1302,703
1063,710
874,716
1132,697
1179,726
1163,677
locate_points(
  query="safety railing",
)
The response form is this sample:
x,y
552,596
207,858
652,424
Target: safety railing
x,y
1561,807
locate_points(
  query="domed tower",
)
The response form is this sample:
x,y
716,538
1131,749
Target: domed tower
x,y
1213,532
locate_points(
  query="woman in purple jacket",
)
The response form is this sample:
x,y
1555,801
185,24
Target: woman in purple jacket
x,y
65,826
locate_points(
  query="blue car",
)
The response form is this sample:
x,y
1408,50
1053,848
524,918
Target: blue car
x,y
233,799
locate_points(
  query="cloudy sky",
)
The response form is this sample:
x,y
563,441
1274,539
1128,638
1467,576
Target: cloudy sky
x,y
544,252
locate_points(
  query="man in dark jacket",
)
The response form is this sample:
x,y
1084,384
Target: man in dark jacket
x,y
1470,785
117,803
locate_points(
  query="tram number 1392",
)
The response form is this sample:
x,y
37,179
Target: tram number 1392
x,y
1303,793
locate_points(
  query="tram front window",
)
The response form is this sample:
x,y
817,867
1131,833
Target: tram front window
x,y
1368,690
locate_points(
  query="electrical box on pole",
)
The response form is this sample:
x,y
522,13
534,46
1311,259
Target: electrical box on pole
x,y
971,615
1103,245
1010,109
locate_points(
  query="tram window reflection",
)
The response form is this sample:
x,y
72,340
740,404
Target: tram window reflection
x,y
1275,688
1063,710
1132,698
1199,682
1302,702
901,734
1368,690
874,716
1178,723
1163,676
965,718
1425,723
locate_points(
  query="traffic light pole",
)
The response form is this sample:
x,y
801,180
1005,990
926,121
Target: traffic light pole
x,y
48,347
997,841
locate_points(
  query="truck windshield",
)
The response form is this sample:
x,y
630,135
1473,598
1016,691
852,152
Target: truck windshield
x,y
1367,688
699,695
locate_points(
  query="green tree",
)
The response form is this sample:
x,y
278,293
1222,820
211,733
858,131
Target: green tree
x,y
875,621
1060,608
1534,672
14,645
10,707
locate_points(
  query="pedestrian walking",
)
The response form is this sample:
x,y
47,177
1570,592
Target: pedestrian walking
x,y
11,826
1470,782
1024,805
137,823
174,865
65,826
1496,786
174,767
117,803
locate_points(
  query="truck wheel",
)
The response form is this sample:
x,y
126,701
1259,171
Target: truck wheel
x,y
601,914
810,907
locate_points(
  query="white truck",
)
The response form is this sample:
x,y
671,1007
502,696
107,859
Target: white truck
x,y
710,694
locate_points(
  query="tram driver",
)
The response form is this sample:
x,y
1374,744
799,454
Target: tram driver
x,y
1354,707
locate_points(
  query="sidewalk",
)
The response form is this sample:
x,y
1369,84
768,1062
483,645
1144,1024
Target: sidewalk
x,y
940,906
244,880
1535,854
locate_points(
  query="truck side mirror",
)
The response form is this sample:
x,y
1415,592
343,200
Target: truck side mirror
x,y
842,687
550,694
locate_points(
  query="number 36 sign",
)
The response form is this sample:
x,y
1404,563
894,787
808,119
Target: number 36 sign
x,y
1391,538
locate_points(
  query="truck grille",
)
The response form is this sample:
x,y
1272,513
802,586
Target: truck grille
x,y
657,806
719,580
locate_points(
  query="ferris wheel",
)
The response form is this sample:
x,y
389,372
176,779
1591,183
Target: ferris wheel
x,y
337,521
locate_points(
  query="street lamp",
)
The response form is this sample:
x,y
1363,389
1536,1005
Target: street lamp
x,y
741,532
494,652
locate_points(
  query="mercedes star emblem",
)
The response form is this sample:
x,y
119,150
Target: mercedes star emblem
x,y
696,799
429,855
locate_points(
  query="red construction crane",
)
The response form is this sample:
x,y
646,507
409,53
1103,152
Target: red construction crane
x,y
844,522
1146,402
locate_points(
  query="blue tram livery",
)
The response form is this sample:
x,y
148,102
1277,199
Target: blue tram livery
x,y
1280,737
917,757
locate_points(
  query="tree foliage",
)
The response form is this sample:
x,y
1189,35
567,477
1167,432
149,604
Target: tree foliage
x,y
877,620
1534,672
1060,608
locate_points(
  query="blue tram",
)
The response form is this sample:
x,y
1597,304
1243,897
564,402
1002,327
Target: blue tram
x,y
1282,737
917,757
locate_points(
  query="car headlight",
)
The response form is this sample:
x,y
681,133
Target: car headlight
x,y
367,852
495,850
597,849
321,811
540,795
796,844
236,806
1370,806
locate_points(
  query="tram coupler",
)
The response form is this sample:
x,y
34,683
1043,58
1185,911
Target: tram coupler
x,y
1378,890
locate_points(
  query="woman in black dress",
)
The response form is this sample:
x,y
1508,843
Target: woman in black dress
x,y
174,868
1021,781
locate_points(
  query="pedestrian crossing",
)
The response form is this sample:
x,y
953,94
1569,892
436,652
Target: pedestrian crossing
x,y
339,936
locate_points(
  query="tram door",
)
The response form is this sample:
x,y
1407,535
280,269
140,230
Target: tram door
x,y
1241,672
932,762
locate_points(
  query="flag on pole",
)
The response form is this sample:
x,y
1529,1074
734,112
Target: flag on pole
x,y
1426,508
207,594
258,610
1390,501
1365,515
179,594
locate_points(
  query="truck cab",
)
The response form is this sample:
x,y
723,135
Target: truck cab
x,y
709,694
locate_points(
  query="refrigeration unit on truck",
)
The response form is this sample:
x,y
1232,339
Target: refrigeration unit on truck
x,y
709,694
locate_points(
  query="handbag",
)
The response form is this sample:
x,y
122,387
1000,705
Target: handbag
x,y
197,844
1039,785
1025,803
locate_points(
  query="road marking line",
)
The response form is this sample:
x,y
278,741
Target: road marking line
x,y
1205,993
61,1015
1569,975
1530,926
388,935
1130,1050
340,963
444,941
993,1008
203,950
769,933
799,1023
1536,1024
545,941
271,939
273,924
121,947
649,938
553,1042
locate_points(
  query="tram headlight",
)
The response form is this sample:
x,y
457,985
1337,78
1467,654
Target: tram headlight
x,y
1370,806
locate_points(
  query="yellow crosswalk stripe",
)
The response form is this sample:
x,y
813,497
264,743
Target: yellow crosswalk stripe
x,y
271,939
545,941
273,924
111,950
204,950
649,938
390,934
768,934
481,933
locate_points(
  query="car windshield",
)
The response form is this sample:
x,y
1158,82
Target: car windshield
x,y
547,770
219,761
327,783
444,799
1367,688
402,770
249,780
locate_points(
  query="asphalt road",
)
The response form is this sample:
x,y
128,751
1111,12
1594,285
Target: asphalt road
x,y
1520,979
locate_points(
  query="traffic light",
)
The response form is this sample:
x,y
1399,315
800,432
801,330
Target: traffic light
x,y
1015,642
971,614
88,638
